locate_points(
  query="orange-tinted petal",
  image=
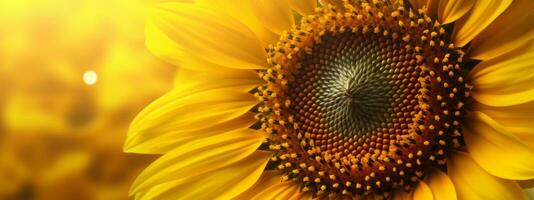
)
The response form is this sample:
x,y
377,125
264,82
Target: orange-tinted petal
x,y
473,183
276,15
452,10
509,31
441,185
516,120
497,151
271,186
422,192
480,16
505,80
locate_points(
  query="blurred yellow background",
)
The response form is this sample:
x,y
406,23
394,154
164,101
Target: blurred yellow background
x,y
61,135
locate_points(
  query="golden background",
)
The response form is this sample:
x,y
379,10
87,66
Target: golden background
x,y
61,136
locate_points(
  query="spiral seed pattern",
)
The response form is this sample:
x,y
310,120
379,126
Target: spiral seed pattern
x,y
346,82
362,99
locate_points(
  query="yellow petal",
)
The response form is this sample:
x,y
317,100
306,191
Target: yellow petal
x,y
267,179
276,15
304,7
473,183
441,186
242,10
177,30
480,16
185,163
169,51
176,118
505,80
509,31
451,10
188,81
223,183
271,186
516,120
498,152
281,190
192,85
422,192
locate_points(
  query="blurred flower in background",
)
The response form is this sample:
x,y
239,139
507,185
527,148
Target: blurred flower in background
x,y
73,74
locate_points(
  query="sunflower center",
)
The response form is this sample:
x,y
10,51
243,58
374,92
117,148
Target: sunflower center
x,y
345,81
362,99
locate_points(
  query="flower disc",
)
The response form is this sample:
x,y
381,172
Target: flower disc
x,y
362,99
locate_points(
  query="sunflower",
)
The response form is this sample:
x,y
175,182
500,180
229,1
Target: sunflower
x,y
377,99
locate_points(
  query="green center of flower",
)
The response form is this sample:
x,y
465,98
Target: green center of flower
x,y
346,84
362,99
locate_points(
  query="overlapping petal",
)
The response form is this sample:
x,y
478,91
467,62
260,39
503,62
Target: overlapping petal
x,y
479,17
275,14
179,117
473,183
497,151
422,192
505,80
267,179
271,186
516,119
178,31
242,10
509,31
282,190
452,10
441,186
222,183
209,154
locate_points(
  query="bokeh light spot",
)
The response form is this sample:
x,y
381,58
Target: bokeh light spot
x,y
90,77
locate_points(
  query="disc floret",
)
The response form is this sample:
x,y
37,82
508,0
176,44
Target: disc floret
x,y
362,99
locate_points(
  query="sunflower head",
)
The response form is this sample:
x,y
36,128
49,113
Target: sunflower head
x,y
356,99
362,98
